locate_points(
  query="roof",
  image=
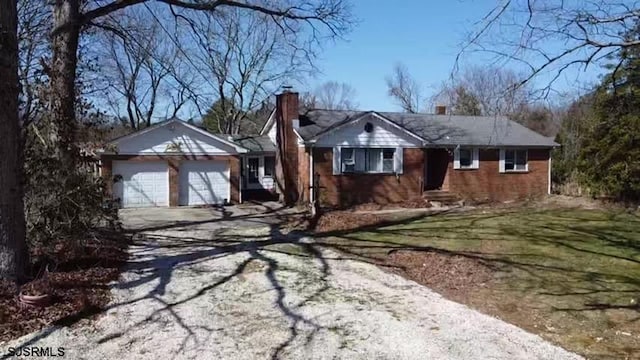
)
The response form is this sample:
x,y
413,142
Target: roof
x,y
443,130
257,143
176,120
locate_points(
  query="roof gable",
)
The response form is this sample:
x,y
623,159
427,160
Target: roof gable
x,y
368,129
174,137
267,125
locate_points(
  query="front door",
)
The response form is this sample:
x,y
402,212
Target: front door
x,y
436,168
253,170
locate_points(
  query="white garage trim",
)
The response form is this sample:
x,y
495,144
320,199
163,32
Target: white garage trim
x,y
204,182
141,183
174,137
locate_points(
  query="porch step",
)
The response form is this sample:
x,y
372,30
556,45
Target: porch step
x,y
441,196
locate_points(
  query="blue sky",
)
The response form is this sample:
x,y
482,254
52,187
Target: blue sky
x,y
424,35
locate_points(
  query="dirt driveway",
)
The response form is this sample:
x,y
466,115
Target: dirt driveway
x,y
205,284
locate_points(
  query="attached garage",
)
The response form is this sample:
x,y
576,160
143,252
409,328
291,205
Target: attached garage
x,y
170,164
204,182
141,183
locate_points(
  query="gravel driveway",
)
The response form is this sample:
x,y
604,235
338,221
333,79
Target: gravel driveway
x,y
232,290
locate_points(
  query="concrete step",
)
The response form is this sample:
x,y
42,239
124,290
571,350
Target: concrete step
x,y
444,197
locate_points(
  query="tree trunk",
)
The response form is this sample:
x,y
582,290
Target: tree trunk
x,y
66,32
13,253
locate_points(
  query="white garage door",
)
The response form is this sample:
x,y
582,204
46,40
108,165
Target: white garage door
x,y
143,183
204,182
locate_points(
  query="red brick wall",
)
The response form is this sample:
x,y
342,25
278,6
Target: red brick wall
x,y
488,184
349,189
174,168
287,146
303,175
174,181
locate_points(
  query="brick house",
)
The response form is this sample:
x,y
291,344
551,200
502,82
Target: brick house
x,y
341,158
334,158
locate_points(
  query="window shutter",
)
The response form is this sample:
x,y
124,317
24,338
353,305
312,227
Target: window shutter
x,y
336,161
501,160
476,158
397,160
456,158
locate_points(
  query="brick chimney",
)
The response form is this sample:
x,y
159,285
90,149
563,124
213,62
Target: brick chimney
x,y
287,145
441,110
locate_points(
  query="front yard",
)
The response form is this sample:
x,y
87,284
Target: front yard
x,y
567,274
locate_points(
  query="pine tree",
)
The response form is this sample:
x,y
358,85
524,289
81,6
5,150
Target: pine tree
x,y
609,160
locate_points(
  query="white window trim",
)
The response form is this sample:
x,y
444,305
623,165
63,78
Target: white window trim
x,y
475,162
397,161
503,156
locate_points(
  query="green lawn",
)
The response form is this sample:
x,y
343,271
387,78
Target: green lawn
x,y
570,275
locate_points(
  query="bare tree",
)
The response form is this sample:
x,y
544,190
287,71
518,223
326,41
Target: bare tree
x,y
332,95
404,89
13,253
69,18
34,25
549,37
143,71
498,91
242,59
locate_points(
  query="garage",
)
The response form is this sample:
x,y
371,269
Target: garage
x,y
141,184
204,182
172,163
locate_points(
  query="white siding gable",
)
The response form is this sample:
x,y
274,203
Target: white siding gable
x,y
163,140
272,132
354,134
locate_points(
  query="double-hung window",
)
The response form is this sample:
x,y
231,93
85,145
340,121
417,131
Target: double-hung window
x,y
367,160
466,158
515,160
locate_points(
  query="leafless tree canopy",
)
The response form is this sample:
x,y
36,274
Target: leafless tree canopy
x,y
240,59
498,91
549,37
317,19
145,75
331,95
34,25
404,89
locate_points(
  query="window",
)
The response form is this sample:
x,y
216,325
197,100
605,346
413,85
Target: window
x,y
253,165
387,159
515,160
466,158
370,160
348,160
269,165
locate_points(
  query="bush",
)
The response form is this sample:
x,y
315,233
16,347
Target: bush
x,y
63,208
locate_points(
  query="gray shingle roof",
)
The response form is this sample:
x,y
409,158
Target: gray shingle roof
x,y
257,143
442,130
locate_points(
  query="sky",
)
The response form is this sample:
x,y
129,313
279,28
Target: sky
x,y
424,35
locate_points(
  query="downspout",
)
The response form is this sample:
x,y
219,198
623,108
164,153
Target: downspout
x,y
549,176
241,175
311,183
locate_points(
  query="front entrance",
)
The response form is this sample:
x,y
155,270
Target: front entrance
x,y
259,177
253,172
436,168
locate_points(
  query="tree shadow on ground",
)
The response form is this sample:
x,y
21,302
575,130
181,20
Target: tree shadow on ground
x,y
382,238
180,252
578,270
